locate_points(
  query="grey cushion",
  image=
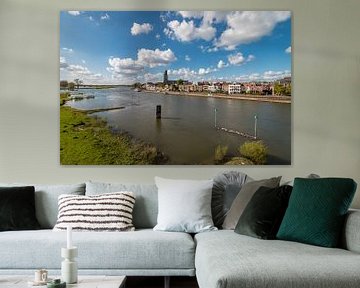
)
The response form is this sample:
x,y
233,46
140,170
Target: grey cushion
x,y
144,249
46,200
351,233
146,204
243,198
184,205
225,259
226,187
310,176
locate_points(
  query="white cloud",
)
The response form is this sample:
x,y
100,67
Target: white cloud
x,y
153,58
187,58
236,59
105,17
144,28
188,74
275,75
74,13
78,70
221,64
68,50
288,50
266,76
206,16
187,31
128,70
213,49
70,72
83,61
158,36
164,16
249,26
250,58
184,73
191,14
204,71
125,66
150,77
63,63
239,59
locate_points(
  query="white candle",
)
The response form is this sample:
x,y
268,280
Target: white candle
x,y
69,239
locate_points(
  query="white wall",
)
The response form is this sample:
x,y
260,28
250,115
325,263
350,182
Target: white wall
x,y
326,77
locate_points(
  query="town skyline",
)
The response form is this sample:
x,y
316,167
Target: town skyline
x,y
122,48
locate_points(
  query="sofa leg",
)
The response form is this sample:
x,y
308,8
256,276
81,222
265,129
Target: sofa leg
x,y
167,282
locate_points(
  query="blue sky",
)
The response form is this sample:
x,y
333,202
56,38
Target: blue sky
x,y
123,47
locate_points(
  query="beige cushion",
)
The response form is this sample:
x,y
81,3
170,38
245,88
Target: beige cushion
x,y
243,198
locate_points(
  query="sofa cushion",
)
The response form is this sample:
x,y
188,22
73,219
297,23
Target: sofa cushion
x,y
317,210
143,249
243,198
263,215
184,205
225,259
46,200
225,189
17,208
105,212
350,239
146,205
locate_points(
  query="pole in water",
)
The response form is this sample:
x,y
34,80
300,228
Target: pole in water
x,y
215,111
255,132
158,111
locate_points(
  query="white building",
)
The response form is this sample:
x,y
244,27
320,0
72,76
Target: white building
x,y
212,88
234,89
150,86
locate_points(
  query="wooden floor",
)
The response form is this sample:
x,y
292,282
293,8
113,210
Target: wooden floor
x,y
158,282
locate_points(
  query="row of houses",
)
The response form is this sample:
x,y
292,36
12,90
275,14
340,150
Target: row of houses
x,y
214,87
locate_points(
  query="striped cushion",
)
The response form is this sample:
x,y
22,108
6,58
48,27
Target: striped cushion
x,y
105,212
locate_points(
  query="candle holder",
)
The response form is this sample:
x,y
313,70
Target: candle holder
x,y
69,271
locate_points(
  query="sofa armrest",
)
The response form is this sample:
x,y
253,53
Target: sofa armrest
x,y
351,234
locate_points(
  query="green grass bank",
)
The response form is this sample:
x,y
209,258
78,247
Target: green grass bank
x,y
86,140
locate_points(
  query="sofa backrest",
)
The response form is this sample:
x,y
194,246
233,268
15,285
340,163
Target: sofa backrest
x,y
46,200
146,203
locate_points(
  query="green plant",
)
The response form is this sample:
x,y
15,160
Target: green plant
x,y
256,151
220,152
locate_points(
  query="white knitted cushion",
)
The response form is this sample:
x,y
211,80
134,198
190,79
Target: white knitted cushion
x,y
105,212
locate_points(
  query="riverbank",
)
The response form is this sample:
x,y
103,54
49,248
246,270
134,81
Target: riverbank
x,y
86,140
258,98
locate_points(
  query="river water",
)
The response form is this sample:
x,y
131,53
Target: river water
x,y
186,131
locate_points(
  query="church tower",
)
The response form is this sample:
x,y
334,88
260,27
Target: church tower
x,y
166,80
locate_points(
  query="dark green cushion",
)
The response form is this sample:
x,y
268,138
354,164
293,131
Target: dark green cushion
x,y
263,214
316,211
17,208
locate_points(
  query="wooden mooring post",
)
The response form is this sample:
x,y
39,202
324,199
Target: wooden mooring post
x,y
255,128
215,111
158,111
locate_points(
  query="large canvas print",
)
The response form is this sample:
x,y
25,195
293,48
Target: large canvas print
x,y
175,87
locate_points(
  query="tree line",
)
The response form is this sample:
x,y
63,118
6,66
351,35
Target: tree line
x,y
66,85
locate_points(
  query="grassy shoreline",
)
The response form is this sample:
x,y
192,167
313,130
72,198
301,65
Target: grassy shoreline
x,y
258,98
86,140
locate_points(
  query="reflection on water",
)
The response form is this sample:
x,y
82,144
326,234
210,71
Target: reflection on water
x,y
186,131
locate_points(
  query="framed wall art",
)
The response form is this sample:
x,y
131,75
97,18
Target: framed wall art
x,y
175,87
